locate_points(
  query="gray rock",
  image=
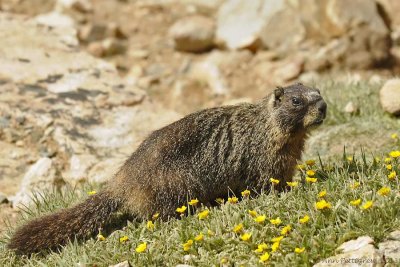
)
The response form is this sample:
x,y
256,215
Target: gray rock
x,y
389,96
105,170
391,250
193,34
351,108
394,235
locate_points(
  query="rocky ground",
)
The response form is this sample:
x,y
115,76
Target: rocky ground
x,y
83,82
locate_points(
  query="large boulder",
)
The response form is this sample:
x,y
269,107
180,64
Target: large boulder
x,y
390,96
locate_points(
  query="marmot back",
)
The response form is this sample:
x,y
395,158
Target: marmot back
x,y
205,155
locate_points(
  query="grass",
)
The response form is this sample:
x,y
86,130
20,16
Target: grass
x,y
221,246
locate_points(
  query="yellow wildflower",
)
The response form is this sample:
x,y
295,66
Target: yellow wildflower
x,y
389,167
223,261
321,205
264,257
355,202
141,248
292,184
300,166
349,159
91,193
276,221
187,245
261,247
392,175
252,213
181,209
394,154
193,202
204,214
123,239
245,236
233,200
210,233
388,160
322,193
310,173
260,219
311,180
310,162
274,181
277,239
305,219
199,237
355,185
299,250
155,216
275,246
384,191
285,230
100,237
367,205
150,225
245,193
394,136
238,228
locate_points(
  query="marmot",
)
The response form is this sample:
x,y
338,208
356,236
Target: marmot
x,y
205,155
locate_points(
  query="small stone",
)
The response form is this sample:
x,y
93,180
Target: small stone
x,y
356,244
96,49
3,198
113,46
390,96
394,235
351,108
193,34
121,264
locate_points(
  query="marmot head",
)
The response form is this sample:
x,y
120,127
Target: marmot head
x,y
297,107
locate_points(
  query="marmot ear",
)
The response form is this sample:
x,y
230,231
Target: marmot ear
x,y
278,93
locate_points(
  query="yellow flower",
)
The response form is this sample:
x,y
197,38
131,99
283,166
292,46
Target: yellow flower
x,y
305,219
223,261
141,248
311,180
388,160
261,247
187,245
350,159
252,213
285,230
300,166
204,214
276,221
220,200
384,191
299,250
277,239
275,246
193,202
392,175
310,173
123,239
355,185
389,167
310,162
199,237
394,154
322,193
367,205
321,205
355,202
394,136
210,233
233,200
245,237
100,237
238,228
260,219
274,181
91,193
150,225
292,184
181,209
264,257
155,216
246,193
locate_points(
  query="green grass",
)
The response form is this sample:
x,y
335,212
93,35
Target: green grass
x,y
324,232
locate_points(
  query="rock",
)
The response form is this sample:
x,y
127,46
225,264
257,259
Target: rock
x,y
83,6
193,34
56,20
121,264
105,170
240,22
3,198
391,250
394,235
351,108
79,168
392,9
390,96
356,244
41,176
112,46
96,49
92,32
366,256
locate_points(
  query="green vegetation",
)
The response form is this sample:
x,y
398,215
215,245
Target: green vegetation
x,y
362,198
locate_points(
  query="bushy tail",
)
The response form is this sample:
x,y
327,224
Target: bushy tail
x,y
53,230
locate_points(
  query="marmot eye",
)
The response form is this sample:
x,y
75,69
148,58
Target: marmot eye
x,y
296,101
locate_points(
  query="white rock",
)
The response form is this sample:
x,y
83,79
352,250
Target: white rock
x,y
79,5
395,235
356,244
56,20
121,264
105,170
390,96
79,168
351,108
391,250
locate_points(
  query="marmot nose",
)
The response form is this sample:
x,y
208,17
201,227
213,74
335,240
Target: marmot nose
x,y
321,106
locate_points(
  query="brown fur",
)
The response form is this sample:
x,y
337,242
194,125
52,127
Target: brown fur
x,y
205,155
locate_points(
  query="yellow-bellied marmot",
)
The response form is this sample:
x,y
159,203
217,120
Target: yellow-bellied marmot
x,y
204,155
